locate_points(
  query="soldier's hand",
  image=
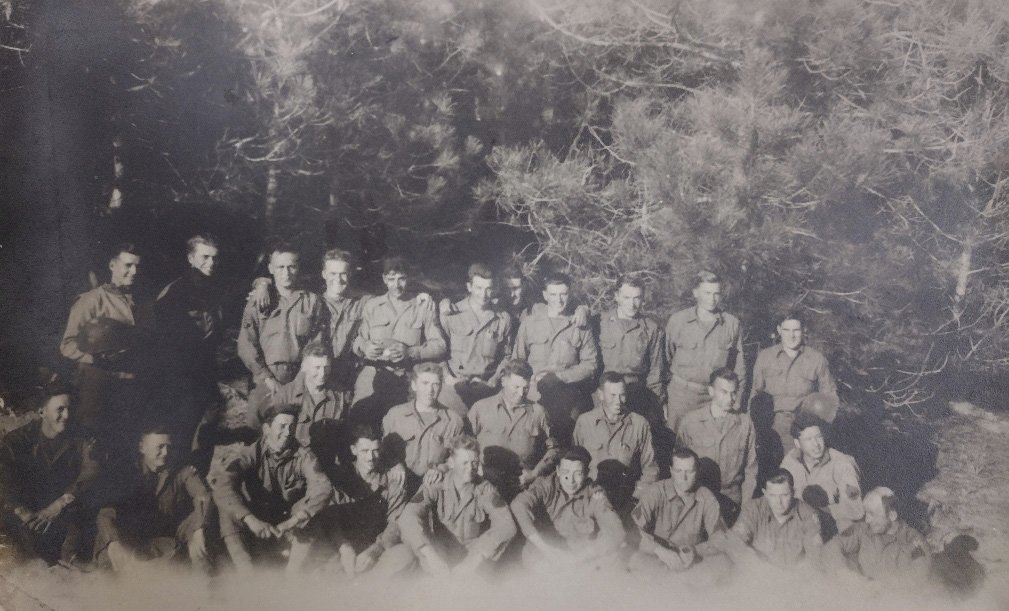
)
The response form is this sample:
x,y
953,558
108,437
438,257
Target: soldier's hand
x,y
432,477
44,519
272,384
372,350
395,353
424,299
366,560
260,293
24,514
527,477
198,546
670,558
687,556
397,476
348,559
259,528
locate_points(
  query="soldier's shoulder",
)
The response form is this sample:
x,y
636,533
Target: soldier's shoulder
x,y
806,511
706,496
489,493
680,316
398,411
23,435
638,420
841,458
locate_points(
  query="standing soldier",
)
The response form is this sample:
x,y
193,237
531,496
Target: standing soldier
x,y
104,337
788,372
345,309
562,354
397,331
272,338
479,337
699,340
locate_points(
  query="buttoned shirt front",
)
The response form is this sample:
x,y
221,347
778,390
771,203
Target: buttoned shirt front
x,y
694,348
329,406
581,519
476,345
729,441
104,302
788,380
345,314
885,555
369,506
667,519
523,429
416,327
279,334
556,345
785,543
633,347
628,440
422,434
837,474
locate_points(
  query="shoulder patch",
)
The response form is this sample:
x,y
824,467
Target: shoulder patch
x,y
418,498
852,492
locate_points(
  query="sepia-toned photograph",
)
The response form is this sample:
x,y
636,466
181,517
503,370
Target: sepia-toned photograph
x,y
504,304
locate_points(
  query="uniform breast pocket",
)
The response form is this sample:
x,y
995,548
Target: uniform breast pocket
x,y
722,353
379,329
623,452
411,334
489,342
302,325
565,352
473,525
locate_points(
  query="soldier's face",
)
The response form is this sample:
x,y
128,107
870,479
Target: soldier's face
x,y
481,290
684,474
572,475
203,259
279,432
780,498
154,448
723,393
395,283
708,295
337,276
790,332
628,300
316,370
811,443
365,453
426,387
556,296
614,398
55,414
124,268
465,465
877,517
514,289
514,388
284,269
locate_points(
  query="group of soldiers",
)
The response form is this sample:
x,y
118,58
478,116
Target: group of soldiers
x,y
394,433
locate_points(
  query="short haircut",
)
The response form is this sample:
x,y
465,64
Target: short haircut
x,y
632,281
337,255
556,278
723,373
611,377
480,270
364,431
153,427
395,265
120,248
705,276
885,495
512,272
781,476
579,454
516,367
426,367
684,453
314,349
804,420
201,238
793,315
55,387
462,442
268,415
280,248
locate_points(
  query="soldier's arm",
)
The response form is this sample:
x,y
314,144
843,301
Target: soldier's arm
x,y
83,310
415,516
714,525
588,358
434,346
824,380
199,494
849,504
9,500
363,332
550,457
740,365
396,502
759,376
812,538
611,529
670,343
649,466
520,348
644,520
107,532
225,480
523,507
88,474
750,470
319,490
249,349
657,363
502,526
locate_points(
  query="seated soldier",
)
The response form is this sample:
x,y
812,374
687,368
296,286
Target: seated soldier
x,y
566,519
45,471
514,433
824,478
416,432
881,547
369,501
459,523
725,441
268,492
152,510
777,527
676,519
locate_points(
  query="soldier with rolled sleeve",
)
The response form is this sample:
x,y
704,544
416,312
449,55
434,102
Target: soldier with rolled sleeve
x,y
479,337
518,445
460,523
725,441
700,340
397,331
271,339
567,520
268,493
562,354
788,372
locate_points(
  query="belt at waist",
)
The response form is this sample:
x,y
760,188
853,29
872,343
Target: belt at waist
x,y
400,367
688,384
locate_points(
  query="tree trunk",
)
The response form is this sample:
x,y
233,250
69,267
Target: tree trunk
x,y
962,275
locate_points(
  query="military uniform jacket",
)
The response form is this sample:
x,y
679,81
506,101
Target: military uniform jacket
x,y
174,502
694,350
882,556
784,544
837,475
368,510
36,470
788,380
473,516
422,435
344,321
731,442
190,317
104,302
582,519
628,440
330,407
570,353
476,348
272,486
416,327
278,335
633,347
666,519
525,431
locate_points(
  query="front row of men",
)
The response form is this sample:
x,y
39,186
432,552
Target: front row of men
x,y
274,499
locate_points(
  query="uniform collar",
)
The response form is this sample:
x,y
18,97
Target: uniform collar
x,y
524,406
781,350
600,416
823,459
672,495
693,316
